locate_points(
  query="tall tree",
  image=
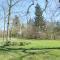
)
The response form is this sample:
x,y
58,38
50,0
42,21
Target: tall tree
x,y
16,26
4,18
30,29
11,3
39,20
57,28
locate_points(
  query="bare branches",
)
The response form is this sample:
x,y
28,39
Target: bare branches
x,y
10,5
30,6
4,13
59,1
46,1
9,2
16,3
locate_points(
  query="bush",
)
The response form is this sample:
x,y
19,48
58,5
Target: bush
x,y
7,43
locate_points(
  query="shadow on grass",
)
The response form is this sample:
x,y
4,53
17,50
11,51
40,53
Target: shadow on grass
x,y
8,48
29,52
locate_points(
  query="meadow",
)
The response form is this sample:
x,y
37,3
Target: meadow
x,y
24,49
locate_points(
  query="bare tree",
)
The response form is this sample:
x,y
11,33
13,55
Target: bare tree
x,y
4,13
33,2
10,5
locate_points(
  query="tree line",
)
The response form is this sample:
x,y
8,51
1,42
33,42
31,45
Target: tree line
x,y
37,28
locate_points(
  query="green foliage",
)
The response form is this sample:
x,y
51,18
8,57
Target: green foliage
x,y
16,21
15,27
39,20
7,43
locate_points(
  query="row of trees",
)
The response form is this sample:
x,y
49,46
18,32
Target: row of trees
x,y
34,28
37,28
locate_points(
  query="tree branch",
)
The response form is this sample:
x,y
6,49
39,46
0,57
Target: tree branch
x,y
15,3
45,5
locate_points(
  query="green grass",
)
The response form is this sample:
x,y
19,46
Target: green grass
x,y
44,54
39,55
35,43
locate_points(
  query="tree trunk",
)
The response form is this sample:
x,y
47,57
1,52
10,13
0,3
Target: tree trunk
x,y
8,23
4,29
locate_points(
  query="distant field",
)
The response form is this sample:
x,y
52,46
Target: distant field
x,y
34,43
42,54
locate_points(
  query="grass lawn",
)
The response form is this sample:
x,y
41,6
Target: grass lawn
x,y
43,54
